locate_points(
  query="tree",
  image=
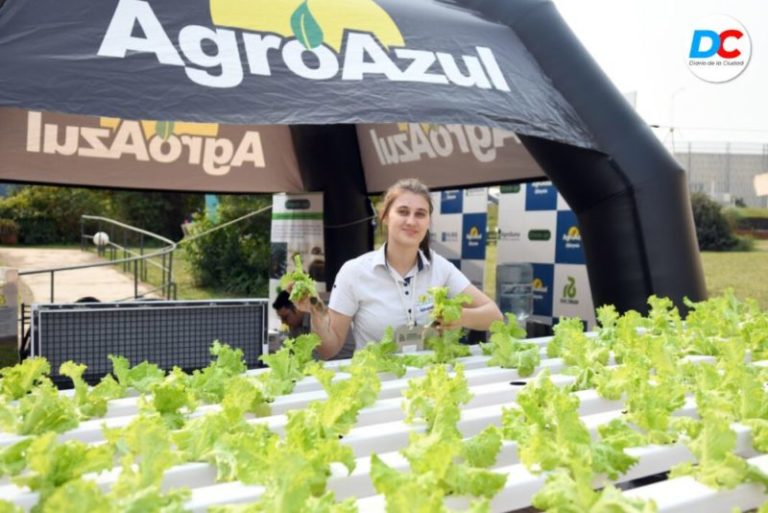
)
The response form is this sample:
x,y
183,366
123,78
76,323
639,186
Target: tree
x,y
235,258
712,228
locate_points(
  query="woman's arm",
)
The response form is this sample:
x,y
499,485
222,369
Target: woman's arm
x,y
481,312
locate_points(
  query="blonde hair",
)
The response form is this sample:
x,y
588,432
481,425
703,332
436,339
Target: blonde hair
x,y
414,186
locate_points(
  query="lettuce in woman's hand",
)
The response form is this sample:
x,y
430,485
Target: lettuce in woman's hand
x,y
303,285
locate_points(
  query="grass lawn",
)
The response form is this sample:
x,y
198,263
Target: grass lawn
x,y
182,274
744,272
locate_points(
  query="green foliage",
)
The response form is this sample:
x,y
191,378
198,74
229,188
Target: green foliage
x,y
236,258
51,215
508,351
713,230
162,213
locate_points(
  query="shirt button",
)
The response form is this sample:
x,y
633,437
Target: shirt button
x,y
406,292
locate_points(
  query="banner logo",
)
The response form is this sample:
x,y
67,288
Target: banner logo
x,y
417,141
569,292
351,40
162,142
572,238
539,235
539,287
311,22
449,236
720,48
474,237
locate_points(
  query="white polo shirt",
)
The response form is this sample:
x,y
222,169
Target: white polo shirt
x,y
376,296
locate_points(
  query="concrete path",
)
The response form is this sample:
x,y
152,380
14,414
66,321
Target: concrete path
x,y
105,283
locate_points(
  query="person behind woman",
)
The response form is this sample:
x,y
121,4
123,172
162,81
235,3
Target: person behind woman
x,y
385,287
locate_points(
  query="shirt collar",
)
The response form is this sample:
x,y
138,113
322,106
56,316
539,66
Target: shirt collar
x,y
380,259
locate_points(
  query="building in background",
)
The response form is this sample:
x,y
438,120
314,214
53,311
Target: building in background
x,y
724,171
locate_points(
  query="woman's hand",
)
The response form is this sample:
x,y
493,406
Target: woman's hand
x,y
311,304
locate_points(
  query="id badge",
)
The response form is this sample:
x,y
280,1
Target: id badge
x,y
408,339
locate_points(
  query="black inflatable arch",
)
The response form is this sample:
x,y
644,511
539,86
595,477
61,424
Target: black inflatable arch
x,y
631,199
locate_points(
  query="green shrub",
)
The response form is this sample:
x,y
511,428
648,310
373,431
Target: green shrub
x,y
234,259
158,212
50,215
714,231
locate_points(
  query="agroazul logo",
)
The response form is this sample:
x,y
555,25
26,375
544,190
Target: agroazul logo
x,y
350,40
160,142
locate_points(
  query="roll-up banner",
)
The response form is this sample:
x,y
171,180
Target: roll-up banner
x,y
458,230
297,229
43,147
536,225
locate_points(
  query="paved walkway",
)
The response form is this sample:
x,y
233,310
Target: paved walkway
x,y
105,283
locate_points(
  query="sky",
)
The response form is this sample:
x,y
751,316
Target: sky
x,y
644,45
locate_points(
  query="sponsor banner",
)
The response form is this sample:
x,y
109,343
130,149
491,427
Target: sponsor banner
x,y
280,62
474,236
452,202
537,226
511,225
474,270
539,236
568,247
543,283
442,155
571,294
540,196
297,229
445,234
146,154
458,230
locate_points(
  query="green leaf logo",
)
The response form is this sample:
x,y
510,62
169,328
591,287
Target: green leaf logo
x,y
305,27
569,290
164,129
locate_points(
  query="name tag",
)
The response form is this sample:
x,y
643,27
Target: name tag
x,y
425,307
409,339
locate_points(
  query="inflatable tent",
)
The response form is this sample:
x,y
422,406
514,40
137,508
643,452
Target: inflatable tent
x,y
344,96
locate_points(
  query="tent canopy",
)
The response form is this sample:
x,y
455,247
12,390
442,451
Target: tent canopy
x,y
344,96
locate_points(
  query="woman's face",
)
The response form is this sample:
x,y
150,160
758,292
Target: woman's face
x,y
407,219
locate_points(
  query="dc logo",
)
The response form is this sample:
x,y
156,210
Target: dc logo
x,y
717,44
719,49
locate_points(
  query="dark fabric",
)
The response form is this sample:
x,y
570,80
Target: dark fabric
x,y
205,61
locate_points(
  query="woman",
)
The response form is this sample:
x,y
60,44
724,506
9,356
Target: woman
x,y
384,288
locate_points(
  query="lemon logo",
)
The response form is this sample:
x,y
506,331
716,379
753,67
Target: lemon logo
x,y
425,127
311,22
165,142
474,236
348,40
537,284
165,129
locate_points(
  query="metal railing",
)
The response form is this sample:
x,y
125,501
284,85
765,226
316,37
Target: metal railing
x,y
135,255
134,249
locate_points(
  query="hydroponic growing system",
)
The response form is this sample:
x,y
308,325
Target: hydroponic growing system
x,y
646,414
